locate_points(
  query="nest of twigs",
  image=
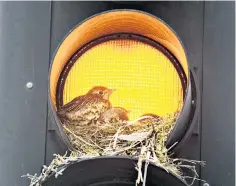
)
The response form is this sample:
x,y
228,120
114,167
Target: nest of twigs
x,y
127,138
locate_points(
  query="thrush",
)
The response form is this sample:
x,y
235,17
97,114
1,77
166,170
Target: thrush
x,y
87,108
143,121
114,114
111,120
148,119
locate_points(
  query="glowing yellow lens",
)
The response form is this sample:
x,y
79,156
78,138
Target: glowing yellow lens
x,y
145,79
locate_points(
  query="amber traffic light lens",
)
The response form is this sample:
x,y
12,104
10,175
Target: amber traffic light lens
x,y
144,76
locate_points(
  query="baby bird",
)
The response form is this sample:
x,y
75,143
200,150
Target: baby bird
x,y
111,120
86,109
144,121
114,115
147,119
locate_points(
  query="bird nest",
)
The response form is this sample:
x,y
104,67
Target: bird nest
x,y
143,139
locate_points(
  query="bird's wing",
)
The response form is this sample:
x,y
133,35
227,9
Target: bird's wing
x,y
78,103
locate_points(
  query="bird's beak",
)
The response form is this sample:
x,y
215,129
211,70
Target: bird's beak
x,y
111,90
128,111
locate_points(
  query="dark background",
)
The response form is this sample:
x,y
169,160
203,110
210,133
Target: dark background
x,y
29,35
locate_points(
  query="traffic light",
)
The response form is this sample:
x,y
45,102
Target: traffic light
x,y
137,54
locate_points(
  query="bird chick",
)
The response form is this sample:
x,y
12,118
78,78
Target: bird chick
x,y
87,108
114,115
148,119
143,121
112,119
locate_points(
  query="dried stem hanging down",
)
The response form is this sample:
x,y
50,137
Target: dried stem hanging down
x,y
143,141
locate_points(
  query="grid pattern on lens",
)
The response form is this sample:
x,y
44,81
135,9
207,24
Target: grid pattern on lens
x,y
145,79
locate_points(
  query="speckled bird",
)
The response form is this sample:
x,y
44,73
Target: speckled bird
x,y
114,115
147,119
86,109
150,119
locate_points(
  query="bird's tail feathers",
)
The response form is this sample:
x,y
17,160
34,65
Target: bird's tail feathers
x,y
62,117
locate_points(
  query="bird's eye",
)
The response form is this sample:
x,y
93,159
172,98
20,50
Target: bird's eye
x,y
100,92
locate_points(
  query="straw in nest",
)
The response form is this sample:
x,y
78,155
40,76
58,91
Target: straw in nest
x,y
126,138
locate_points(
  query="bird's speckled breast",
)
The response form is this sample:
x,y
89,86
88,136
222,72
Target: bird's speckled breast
x,y
90,111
